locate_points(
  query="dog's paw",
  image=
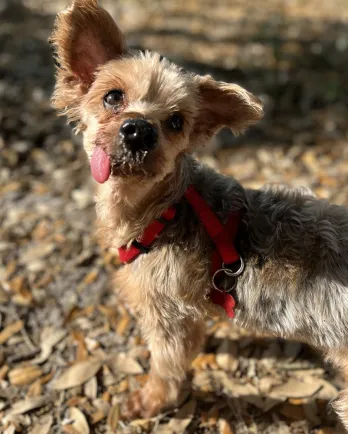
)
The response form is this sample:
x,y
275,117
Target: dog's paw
x,y
140,405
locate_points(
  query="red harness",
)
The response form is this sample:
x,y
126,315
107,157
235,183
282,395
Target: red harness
x,y
224,256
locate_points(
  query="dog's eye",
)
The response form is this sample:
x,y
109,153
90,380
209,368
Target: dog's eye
x,y
175,122
113,98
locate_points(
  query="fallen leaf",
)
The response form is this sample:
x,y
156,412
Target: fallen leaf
x,y
11,429
113,417
90,277
3,371
69,429
35,389
90,388
80,423
97,416
24,375
226,356
10,330
204,361
143,424
77,374
210,418
82,352
25,405
49,339
76,401
183,417
125,364
43,426
123,324
326,430
101,405
295,389
327,391
202,381
122,387
225,427
294,412
232,386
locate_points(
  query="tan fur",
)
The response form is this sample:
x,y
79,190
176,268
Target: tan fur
x,y
281,232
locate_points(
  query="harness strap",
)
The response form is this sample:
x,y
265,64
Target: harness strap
x,y
221,235
142,245
223,256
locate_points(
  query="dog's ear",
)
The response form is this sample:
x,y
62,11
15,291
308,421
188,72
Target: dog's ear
x,y
85,37
224,105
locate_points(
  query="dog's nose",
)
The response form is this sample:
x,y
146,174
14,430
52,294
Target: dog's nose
x,y
139,134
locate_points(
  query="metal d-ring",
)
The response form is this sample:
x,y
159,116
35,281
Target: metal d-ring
x,y
234,273
214,284
228,273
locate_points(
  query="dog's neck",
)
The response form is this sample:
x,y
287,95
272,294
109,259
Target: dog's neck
x,y
126,207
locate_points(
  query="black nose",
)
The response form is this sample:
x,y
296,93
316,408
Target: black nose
x,y
138,134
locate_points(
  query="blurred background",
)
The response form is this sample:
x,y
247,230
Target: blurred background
x,y
69,350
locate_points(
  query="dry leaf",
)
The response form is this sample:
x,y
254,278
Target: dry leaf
x,y
90,277
183,417
113,417
295,389
97,416
225,427
123,324
82,352
143,424
327,391
125,364
49,339
77,374
204,361
202,381
35,389
210,418
69,429
21,407
226,356
11,429
91,388
3,371
80,423
76,401
25,375
294,412
232,386
326,430
10,330
102,405
43,426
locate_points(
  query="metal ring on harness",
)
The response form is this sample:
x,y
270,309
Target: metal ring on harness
x,y
227,290
234,273
228,273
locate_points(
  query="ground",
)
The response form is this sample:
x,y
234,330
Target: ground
x,y
70,352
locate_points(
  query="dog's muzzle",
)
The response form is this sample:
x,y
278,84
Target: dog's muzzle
x,y
138,135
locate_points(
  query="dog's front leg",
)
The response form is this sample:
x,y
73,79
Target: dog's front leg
x,y
172,346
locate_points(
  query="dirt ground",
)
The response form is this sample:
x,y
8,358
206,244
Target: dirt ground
x,y
70,353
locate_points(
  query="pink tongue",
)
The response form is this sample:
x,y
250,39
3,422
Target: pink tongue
x,y
100,165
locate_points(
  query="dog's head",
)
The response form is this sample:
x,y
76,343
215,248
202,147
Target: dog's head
x,y
138,111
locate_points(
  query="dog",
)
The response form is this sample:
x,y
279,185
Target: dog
x,y
195,242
